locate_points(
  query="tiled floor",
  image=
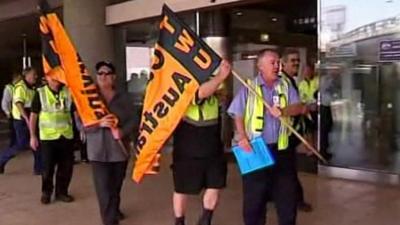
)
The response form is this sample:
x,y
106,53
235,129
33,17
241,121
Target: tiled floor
x,y
336,202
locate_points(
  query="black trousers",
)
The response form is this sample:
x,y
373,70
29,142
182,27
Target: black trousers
x,y
326,128
294,142
300,191
277,183
108,178
57,154
83,150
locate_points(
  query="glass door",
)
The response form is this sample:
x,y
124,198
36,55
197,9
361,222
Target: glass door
x,y
360,76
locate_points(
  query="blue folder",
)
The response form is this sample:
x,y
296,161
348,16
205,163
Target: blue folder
x,y
260,156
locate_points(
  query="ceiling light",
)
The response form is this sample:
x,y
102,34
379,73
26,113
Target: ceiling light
x,y
239,13
264,37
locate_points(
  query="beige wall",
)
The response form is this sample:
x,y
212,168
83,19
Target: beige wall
x,y
141,9
10,9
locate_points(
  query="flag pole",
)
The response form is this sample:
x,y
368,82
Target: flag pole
x,y
284,122
124,150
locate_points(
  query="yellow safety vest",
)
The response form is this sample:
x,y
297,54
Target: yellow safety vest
x,y
307,89
254,114
22,93
55,118
204,114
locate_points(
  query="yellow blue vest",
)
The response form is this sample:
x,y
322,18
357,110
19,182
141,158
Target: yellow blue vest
x,y
205,114
254,113
22,93
307,90
55,118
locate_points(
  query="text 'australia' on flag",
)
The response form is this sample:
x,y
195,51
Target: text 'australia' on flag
x,y
62,62
181,63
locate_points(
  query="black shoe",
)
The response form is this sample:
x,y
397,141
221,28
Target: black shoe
x,y
180,221
85,160
45,199
327,155
120,215
2,169
304,207
65,198
206,217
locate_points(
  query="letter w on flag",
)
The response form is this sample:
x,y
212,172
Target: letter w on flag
x,y
62,62
181,63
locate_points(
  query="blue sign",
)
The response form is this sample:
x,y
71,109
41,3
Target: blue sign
x,y
389,51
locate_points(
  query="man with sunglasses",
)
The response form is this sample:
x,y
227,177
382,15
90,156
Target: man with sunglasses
x,y
108,151
290,63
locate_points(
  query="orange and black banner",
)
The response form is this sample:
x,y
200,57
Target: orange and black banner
x,y
62,62
181,63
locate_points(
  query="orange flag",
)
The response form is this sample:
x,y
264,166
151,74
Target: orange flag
x,y
181,62
62,62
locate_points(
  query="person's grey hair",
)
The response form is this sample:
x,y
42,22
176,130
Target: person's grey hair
x,y
287,52
265,52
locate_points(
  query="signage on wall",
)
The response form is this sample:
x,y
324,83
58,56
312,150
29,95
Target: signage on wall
x,y
342,51
389,51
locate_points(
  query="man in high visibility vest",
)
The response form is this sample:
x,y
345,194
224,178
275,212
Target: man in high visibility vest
x,y
289,71
6,105
309,85
51,113
308,89
22,100
198,155
252,119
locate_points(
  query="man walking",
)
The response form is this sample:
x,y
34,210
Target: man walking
x,y
198,160
22,100
276,183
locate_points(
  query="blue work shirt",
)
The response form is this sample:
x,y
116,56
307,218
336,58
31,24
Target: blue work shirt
x,y
271,124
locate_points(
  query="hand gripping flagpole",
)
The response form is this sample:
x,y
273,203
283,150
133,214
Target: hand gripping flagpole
x,y
284,122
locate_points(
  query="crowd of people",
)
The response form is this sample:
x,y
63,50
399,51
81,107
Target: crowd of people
x,y
44,119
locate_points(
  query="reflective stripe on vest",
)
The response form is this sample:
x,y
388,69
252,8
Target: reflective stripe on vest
x,y
254,114
205,114
55,115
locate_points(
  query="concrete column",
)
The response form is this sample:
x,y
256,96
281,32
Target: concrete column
x,y
84,22
120,56
214,29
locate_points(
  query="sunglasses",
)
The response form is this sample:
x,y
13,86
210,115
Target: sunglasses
x,y
295,60
105,73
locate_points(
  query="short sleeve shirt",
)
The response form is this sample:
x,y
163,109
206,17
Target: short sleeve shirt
x,y
271,124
